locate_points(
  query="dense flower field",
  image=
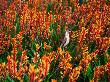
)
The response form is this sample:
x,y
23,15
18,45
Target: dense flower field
x,y
31,32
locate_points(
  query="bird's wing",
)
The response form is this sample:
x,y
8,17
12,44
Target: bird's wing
x,y
63,42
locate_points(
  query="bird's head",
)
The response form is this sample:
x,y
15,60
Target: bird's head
x,y
69,30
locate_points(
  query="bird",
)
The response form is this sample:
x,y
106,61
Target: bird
x,y
66,39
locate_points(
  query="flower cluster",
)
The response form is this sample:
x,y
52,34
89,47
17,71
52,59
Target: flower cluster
x,y
30,36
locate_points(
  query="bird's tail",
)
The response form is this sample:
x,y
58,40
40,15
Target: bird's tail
x,y
61,45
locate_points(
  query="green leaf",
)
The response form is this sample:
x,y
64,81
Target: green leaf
x,y
75,27
69,3
19,54
89,72
17,27
3,57
26,78
80,2
108,50
92,46
49,7
51,26
12,33
101,59
107,1
66,78
9,79
30,54
17,24
82,77
32,50
33,46
38,63
62,29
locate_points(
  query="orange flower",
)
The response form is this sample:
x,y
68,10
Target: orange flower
x,y
4,69
47,47
13,41
98,72
10,64
67,69
82,35
53,80
24,57
32,73
46,64
35,59
60,52
67,56
94,54
73,76
107,67
0,69
37,47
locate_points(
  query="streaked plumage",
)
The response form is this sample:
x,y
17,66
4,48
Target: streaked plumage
x,y
66,39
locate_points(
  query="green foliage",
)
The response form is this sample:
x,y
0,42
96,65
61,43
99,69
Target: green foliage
x,y
55,39
3,57
26,78
54,72
92,46
49,7
9,79
17,24
90,72
108,50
